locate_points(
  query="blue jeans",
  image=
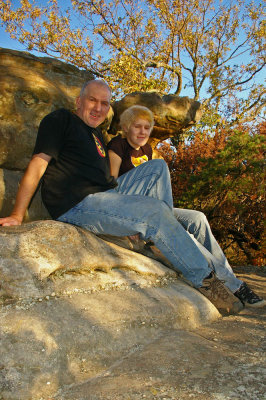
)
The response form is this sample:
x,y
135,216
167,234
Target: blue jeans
x,y
142,204
197,225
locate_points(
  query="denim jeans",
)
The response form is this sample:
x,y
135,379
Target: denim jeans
x,y
142,204
197,225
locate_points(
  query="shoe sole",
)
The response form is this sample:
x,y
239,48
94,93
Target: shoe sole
x,y
259,304
237,307
233,308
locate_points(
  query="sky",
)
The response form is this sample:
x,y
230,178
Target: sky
x,y
7,42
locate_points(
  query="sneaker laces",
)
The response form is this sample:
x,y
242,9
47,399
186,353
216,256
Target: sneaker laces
x,y
216,286
244,293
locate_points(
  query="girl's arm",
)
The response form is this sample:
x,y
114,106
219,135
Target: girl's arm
x,y
115,163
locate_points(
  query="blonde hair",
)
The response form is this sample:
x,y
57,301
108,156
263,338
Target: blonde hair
x,y
132,113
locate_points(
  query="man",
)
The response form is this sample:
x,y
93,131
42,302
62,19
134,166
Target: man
x,y
71,159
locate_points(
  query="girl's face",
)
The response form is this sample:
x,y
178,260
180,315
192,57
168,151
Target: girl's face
x,y
138,133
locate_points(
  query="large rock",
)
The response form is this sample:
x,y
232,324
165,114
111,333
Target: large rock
x,y
172,114
31,87
73,305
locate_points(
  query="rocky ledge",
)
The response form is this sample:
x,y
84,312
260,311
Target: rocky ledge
x,y
73,304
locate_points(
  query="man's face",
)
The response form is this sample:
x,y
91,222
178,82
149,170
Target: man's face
x,y
94,104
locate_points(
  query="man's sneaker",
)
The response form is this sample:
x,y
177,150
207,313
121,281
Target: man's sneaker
x,y
248,297
221,297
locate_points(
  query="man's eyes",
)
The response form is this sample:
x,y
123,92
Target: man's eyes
x,y
104,103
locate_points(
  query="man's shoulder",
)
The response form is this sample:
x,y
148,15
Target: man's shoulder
x,y
59,113
57,118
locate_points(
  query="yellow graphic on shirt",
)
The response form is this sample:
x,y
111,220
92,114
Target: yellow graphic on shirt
x,y
136,161
99,146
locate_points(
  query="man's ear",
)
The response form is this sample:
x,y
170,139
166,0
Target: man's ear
x,y
78,102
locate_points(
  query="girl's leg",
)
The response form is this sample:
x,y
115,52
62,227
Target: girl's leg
x,y
196,223
150,179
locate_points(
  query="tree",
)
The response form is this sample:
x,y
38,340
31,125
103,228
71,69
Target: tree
x,y
223,175
212,48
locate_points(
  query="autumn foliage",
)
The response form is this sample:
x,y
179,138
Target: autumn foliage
x,y
223,175
212,49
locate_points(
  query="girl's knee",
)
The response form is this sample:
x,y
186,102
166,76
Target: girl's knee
x,y
157,164
158,161
199,218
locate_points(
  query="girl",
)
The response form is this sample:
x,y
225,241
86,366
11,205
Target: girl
x,y
130,151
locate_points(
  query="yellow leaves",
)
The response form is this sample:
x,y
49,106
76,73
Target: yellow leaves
x,y
148,44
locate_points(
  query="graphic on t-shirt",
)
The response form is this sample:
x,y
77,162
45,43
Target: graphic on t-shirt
x,y
136,161
99,146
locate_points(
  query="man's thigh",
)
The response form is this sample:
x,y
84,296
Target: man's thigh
x,y
113,213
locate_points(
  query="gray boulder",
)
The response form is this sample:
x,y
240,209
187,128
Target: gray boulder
x,y
31,87
73,305
172,114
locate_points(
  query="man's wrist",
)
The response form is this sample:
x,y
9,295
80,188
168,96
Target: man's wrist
x,y
17,217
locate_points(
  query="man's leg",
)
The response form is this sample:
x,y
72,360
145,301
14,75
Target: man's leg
x,y
119,214
196,223
116,214
153,179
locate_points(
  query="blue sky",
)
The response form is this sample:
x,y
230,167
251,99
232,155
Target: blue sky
x,y
7,42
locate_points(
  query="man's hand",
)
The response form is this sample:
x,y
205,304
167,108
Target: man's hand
x,y
135,238
27,187
9,221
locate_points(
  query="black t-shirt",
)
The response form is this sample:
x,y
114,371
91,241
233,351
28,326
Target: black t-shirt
x,y
79,164
130,157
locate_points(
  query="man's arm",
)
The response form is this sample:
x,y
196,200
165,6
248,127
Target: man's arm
x,y
28,185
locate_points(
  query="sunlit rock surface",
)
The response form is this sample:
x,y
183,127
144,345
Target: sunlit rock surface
x,y
31,87
74,304
172,114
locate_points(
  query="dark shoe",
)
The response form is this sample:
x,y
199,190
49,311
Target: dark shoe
x,y
221,297
248,297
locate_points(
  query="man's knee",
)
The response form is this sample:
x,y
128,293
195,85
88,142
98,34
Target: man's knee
x,y
200,216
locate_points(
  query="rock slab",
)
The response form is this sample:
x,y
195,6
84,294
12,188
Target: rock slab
x,y
73,305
